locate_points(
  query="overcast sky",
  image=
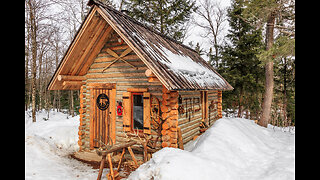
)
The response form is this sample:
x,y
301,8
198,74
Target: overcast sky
x,y
196,31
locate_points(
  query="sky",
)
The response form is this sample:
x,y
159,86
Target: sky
x,y
195,31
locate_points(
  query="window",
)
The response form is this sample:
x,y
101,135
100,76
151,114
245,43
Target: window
x,y
137,111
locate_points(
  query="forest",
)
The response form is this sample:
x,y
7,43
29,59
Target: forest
x,y
251,43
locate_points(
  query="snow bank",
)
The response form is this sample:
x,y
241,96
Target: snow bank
x,y
48,144
232,148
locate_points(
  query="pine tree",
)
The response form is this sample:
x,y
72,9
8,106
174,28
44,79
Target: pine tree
x,y
240,64
273,14
169,17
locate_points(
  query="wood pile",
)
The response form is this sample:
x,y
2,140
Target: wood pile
x,y
169,110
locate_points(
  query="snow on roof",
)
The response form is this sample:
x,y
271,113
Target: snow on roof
x,y
177,66
183,65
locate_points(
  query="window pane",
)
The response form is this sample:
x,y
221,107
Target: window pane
x,y
137,111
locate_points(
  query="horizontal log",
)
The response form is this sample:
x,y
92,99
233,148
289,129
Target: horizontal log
x,y
70,78
164,132
149,73
73,83
103,75
165,144
166,138
116,147
165,125
174,145
153,79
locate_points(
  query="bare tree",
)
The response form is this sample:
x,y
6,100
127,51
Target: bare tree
x,y
214,16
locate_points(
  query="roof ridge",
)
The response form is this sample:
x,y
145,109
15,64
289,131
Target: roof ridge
x,y
97,2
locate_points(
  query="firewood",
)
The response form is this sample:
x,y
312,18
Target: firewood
x,y
164,132
165,144
173,145
165,138
173,134
165,125
173,141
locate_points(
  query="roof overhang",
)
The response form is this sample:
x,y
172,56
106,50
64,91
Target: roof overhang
x,y
90,38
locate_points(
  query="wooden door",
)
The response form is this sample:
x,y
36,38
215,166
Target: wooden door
x,y
102,121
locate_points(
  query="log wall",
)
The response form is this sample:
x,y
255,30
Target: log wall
x,y
124,75
189,121
127,77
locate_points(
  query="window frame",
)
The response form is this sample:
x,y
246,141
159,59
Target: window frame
x,y
132,117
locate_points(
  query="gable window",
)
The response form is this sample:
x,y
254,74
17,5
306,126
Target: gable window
x,y
137,111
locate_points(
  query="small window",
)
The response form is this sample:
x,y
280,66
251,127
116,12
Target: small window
x,y
137,112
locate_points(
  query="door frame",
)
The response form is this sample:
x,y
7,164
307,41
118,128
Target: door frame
x,y
112,109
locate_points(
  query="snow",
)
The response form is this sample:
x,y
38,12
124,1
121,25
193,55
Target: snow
x,y
181,64
233,148
193,71
48,145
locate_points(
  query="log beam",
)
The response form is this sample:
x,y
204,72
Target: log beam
x,y
71,78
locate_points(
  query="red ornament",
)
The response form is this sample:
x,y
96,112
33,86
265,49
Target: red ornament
x,y
119,109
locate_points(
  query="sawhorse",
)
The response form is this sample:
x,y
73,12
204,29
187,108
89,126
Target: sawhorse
x,y
107,154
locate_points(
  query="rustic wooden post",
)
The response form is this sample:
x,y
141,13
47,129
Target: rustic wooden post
x,y
101,166
180,142
120,161
132,155
169,110
110,166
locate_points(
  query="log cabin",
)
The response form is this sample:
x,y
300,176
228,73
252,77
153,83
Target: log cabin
x,y
135,80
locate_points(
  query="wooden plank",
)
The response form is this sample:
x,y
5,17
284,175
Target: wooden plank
x,y
97,47
93,36
126,103
91,129
146,113
112,109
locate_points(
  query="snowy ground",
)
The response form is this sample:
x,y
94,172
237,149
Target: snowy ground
x,y
233,148
48,145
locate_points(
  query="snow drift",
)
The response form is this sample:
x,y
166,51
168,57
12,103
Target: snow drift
x,y
233,148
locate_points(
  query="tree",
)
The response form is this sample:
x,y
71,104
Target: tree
x,y
272,13
169,17
240,63
212,16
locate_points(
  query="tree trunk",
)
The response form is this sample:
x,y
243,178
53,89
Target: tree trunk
x,y
71,107
33,31
269,84
240,104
